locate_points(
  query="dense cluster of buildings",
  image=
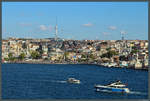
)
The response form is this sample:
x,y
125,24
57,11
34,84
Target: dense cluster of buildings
x,y
111,53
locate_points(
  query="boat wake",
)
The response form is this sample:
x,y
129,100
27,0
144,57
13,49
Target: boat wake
x,y
139,93
131,92
59,81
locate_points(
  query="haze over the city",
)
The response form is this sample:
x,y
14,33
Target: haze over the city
x,y
75,20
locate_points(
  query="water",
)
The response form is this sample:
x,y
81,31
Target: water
x,y
48,81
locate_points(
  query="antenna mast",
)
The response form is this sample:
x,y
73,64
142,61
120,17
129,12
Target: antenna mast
x,y
56,30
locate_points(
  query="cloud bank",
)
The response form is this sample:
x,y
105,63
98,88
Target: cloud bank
x,y
105,33
43,27
46,28
112,27
88,25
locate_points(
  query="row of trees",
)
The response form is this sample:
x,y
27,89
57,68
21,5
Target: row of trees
x,y
34,55
85,57
109,54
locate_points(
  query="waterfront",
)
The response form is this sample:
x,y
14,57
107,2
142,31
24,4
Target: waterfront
x,y
48,81
110,53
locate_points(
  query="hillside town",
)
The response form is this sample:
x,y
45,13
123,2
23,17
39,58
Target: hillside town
x,y
109,53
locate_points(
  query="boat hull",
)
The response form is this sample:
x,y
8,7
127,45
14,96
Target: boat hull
x,y
72,80
76,82
112,89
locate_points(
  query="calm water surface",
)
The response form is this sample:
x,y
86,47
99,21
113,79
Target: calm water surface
x,y
48,81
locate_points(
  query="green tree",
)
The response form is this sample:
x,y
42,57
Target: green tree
x,y
122,58
108,49
83,56
40,51
21,56
10,56
46,59
35,55
134,51
109,54
24,45
104,43
113,53
66,54
6,59
91,56
134,47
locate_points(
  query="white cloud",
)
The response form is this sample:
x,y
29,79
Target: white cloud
x,y
112,27
46,28
123,32
43,27
96,37
88,25
105,33
50,28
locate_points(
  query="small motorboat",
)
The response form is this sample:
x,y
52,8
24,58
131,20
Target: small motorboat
x,y
113,87
73,80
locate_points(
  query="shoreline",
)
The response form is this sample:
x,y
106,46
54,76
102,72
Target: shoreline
x,y
45,62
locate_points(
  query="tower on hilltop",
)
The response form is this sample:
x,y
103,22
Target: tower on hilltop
x,y
56,30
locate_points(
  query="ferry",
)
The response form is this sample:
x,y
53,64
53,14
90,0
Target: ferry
x,y
73,80
117,87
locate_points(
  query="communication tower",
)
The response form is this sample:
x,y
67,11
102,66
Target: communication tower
x,y
56,30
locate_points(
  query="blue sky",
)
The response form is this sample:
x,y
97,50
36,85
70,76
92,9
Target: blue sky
x,y
76,20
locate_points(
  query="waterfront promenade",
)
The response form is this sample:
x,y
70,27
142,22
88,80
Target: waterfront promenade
x,y
81,63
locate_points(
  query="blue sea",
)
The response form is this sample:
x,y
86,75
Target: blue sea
x,y
48,81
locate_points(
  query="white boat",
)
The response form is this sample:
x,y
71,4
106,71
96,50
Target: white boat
x,y
113,87
73,80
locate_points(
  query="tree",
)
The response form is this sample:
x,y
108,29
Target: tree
x,y
21,56
108,49
46,59
109,54
40,51
35,55
24,45
10,56
6,59
91,56
134,51
134,47
83,56
104,43
113,53
122,58
66,54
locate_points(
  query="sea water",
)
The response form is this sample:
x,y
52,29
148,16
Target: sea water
x,y
48,81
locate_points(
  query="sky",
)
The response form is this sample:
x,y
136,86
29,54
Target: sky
x,y
76,20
